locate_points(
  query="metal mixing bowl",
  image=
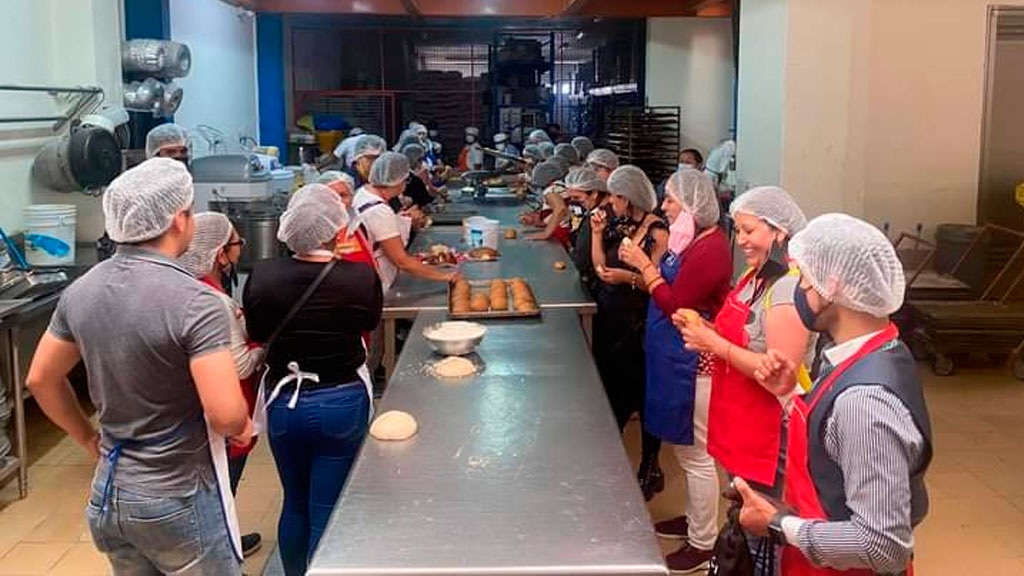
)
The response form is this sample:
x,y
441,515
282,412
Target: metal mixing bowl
x,y
449,347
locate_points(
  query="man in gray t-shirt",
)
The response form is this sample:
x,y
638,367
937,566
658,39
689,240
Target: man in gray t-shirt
x,y
155,343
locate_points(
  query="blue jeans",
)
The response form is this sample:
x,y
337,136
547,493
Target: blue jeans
x,y
144,534
314,446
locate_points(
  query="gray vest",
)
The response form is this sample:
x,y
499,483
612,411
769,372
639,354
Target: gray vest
x,y
893,368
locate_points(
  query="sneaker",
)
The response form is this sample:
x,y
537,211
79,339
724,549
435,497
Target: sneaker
x,y
677,528
688,560
651,479
251,544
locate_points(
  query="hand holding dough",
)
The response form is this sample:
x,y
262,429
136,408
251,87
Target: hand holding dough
x,y
394,425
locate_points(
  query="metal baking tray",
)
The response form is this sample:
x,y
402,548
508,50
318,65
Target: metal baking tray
x,y
485,285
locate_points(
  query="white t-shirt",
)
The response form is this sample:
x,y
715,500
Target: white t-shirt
x,y
381,223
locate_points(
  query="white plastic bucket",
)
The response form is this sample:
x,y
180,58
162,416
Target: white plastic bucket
x,y
50,234
480,231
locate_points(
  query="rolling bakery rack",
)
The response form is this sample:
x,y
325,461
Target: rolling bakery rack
x,y
992,324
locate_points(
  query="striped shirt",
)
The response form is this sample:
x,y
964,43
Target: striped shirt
x,y
872,437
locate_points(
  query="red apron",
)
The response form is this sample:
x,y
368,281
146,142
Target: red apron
x,y
744,419
800,492
361,253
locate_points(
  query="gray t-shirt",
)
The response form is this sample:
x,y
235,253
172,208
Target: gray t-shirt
x,y
778,294
138,319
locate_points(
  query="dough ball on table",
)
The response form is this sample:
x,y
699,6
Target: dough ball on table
x,y
394,425
454,367
510,234
480,303
499,303
559,265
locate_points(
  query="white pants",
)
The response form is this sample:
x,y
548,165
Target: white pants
x,y
701,474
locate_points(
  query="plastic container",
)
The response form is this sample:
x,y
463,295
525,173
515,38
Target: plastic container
x,y
50,234
479,231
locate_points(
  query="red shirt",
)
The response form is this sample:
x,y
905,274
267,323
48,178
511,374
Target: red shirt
x,y
704,278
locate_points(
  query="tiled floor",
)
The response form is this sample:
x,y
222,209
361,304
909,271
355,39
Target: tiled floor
x,y
976,525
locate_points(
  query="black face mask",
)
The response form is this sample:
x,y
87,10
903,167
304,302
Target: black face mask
x,y
808,317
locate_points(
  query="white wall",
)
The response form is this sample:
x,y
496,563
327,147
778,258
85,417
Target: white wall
x,y
690,64
57,43
221,89
872,107
761,93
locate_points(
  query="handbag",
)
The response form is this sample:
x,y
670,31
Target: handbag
x,y
731,554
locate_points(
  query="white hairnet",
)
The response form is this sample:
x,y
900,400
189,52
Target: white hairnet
x,y
547,149
532,151
164,135
567,152
314,216
391,169
585,179
417,128
500,137
583,146
413,153
407,137
537,136
357,131
368,145
472,131
773,205
140,204
603,158
696,192
632,184
212,233
850,263
545,173
328,177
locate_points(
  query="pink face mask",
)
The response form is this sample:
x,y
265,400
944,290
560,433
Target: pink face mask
x,y
681,232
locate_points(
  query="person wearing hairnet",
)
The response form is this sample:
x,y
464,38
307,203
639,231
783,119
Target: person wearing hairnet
x,y
365,152
745,418
553,217
537,137
472,156
168,141
343,151
691,159
501,144
568,153
583,147
860,442
157,346
420,190
547,149
586,193
353,245
214,252
316,391
621,294
603,161
388,232
695,274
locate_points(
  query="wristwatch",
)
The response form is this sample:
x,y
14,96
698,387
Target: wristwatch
x,y
775,529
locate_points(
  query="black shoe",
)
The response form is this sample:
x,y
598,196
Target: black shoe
x,y
677,528
251,544
651,479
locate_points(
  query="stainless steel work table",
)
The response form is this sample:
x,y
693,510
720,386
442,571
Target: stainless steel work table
x,y
533,261
517,470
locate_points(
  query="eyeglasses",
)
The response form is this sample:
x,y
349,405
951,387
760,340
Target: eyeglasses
x,y
240,242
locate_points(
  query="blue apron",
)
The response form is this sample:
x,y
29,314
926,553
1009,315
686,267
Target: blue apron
x,y
671,371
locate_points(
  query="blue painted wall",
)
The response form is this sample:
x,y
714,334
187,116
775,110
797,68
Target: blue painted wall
x,y
270,80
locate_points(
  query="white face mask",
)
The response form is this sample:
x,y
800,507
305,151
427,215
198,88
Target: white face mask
x,y
683,166
470,139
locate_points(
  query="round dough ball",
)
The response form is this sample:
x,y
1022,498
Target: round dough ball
x,y
510,234
454,367
394,425
559,265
